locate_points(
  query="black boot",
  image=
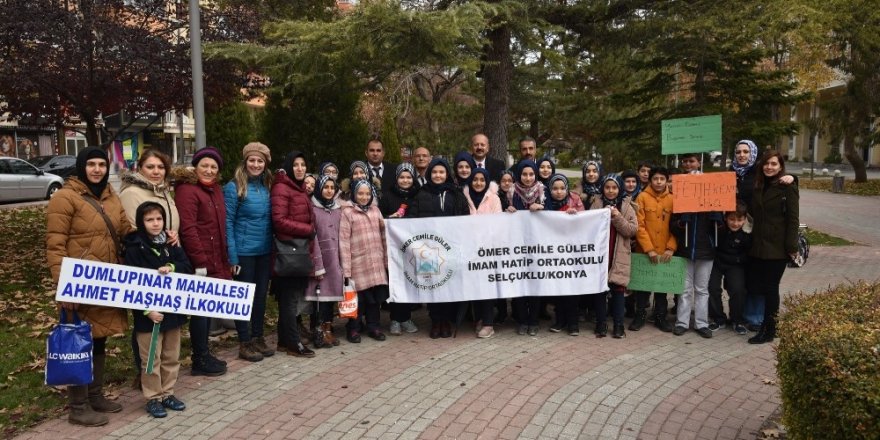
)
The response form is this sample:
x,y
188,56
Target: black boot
x,y
618,331
639,321
662,324
601,329
766,334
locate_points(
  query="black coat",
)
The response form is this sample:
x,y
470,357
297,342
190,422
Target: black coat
x,y
775,211
733,247
695,234
387,179
745,186
391,201
140,253
427,204
494,167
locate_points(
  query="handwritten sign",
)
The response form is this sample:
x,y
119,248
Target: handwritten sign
x,y
661,277
704,192
691,135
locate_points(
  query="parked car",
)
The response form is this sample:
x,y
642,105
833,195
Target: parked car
x,y
62,165
21,181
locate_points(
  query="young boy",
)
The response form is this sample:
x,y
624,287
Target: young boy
x,y
695,234
148,248
730,260
654,238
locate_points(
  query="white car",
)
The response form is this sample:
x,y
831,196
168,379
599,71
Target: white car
x,y
21,181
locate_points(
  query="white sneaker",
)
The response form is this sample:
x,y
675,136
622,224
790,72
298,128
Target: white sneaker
x,y
409,326
395,328
486,332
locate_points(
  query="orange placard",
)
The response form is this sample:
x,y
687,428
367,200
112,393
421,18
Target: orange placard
x,y
704,192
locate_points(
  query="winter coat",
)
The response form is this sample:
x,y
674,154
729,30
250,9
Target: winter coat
x,y
248,220
745,185
292,215
733,247
392,200
654,213
491,204
695,234
325,255
426,204
362,247
574,202
136,189
775,210
202,223
74,228
139,252
627,226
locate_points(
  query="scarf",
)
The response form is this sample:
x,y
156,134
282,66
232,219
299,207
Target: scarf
x,y
477,196
362,165
553,204
405,193
354,190
318,194
92,153
463,156
528,194
591,189
742,170
435,188
287,166
620,191
546,181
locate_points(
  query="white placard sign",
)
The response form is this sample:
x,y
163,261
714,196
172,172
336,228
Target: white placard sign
x,y
115,285
506,255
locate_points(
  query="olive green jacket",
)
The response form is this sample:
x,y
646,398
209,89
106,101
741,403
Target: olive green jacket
x,y
775,211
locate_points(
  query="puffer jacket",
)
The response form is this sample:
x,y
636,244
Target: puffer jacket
x,y
202,223
136,189
654,214
775,211
74,228
627,226
248,220
292,215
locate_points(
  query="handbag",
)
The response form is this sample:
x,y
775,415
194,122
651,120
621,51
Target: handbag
x,y
69,352
292,258
348,307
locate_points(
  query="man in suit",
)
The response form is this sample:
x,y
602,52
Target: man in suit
x,y
382,170
480,152
421,157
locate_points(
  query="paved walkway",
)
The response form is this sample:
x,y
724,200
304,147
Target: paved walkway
x,y
649,385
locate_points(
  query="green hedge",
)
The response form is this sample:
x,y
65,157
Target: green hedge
x,y
829,363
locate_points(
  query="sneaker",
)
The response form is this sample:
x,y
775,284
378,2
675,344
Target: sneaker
x,y
740,329
395,329
173,403
574,331
533,330
155,409
556,328
210,356
409,326
705,332
207,366
721,324
522,329
714,326
679,330
486,332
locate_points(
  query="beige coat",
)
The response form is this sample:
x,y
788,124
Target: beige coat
x,y
74,228
136,189
627,226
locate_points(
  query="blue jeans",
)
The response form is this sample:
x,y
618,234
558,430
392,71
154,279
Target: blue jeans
x,y
254,269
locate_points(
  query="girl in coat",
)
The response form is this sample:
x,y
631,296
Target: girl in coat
x,y
148,247
203,237
528,194
439,197
249,241
624,226
394,204
561,199
482,200
364,262
325,285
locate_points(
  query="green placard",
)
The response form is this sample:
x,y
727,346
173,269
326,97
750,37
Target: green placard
x,y
691,135
661,277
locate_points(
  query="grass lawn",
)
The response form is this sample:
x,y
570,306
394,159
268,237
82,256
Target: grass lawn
x,y
819,238
869,188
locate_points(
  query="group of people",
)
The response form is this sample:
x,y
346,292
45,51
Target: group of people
x,y
226,231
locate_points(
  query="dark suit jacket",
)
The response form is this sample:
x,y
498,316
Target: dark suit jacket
x,y
494,167
387,179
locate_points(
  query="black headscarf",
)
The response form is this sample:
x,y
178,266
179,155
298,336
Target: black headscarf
x,y
435,188
477,197
546,181
287,166
553,204
92,153
463,156
318,193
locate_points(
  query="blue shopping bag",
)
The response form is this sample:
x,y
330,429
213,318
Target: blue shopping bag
x,y
69,352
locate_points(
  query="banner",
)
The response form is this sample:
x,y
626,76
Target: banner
x,y
691,135
127,287
704,192
506,255
646,276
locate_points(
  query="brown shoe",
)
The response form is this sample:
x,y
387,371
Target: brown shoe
x,y
301,351
260,345
327,333
247,352
81,412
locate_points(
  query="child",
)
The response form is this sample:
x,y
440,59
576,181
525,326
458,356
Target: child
x,y
624,226
730,258
394,204
362,247
359,171
561,199
644,171
528,194
654,238
310,182
505,188
482,200
325,285
590,182
546,170
631,184
148,248
464,165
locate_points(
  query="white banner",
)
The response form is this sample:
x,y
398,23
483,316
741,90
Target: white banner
x,y
127,287
506,255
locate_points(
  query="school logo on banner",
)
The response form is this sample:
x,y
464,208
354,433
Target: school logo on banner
x,y
430,263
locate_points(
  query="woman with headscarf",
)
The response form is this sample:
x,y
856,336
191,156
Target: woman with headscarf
x,y
358,170
85,220
325,284
591,181
439,197
394,204
292,217
203,237
463,166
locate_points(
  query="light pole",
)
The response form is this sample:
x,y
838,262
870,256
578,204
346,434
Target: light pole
x,y
195,42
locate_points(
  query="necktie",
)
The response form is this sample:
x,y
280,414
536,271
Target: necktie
x,y
422,180
479,164
376,172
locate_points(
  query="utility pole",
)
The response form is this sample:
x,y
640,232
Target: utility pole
x,y
195,41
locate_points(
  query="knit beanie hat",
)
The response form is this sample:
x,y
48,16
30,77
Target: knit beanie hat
x,y
256,149
207,152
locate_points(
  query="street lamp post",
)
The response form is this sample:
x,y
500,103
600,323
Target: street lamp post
x,y
195,41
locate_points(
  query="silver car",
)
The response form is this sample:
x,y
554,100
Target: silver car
x,y
20,181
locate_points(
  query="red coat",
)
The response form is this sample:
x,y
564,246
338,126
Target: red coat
x,y
202,213
292,215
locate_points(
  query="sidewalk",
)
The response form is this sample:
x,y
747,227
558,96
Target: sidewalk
x,y
649,385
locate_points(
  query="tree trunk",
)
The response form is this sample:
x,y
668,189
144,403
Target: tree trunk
x,y
497,74
91,130
853,157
